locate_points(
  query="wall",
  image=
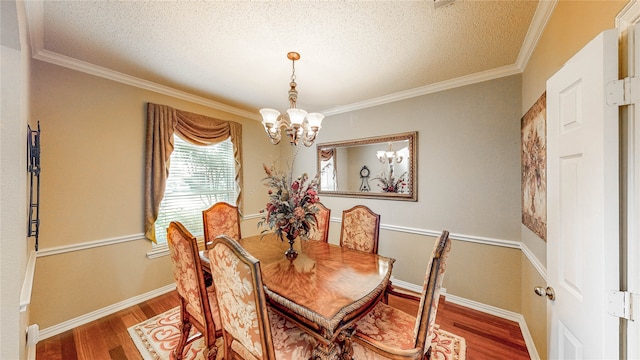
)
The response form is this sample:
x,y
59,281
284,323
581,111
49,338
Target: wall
x,y
572,25
92,191
14,245
468,183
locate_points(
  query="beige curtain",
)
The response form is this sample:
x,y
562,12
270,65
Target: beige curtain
x,y
162,122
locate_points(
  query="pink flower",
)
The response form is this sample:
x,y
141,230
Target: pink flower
x,y
299,212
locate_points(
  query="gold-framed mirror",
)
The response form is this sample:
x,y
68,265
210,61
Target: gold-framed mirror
x,y
383,167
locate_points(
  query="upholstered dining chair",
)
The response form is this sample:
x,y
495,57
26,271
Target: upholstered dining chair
x,y
386,332
198,305
360,229
221,218
250,329
321,232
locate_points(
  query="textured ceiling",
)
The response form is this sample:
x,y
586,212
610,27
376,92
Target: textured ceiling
x,y
234,52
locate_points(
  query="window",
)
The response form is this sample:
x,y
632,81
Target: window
x,y
328,175
199,176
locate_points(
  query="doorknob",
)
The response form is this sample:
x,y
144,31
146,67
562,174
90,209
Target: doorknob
x,y
548,292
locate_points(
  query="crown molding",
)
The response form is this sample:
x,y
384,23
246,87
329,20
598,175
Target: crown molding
x,y
85,67
427,89
536,28
538,23
34,10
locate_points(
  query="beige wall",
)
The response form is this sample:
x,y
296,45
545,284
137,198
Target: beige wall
x,y
468,183
93,133
572,25
14,245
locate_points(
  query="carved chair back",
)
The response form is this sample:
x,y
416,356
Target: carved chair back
x,y
360,229
321,232
243,309
221,219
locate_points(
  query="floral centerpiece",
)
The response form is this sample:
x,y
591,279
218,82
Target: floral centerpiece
x,y
290,211
391,184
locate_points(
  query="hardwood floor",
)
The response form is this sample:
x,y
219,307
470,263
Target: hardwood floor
x,y
487,337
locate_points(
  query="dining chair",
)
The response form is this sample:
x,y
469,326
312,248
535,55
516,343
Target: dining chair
x,y
386,332
321,231
360,229
198,304
250,329
220,218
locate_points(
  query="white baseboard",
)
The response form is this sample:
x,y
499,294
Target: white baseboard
x,y
501,313
487,309
100,313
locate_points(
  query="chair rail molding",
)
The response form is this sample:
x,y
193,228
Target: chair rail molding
x,y
88,245
27,284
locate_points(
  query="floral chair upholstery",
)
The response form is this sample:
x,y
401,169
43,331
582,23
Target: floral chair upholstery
x,y
250,329
221,218
198,305
360,228
387,332
321,231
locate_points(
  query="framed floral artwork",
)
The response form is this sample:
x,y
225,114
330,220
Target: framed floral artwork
x,y
533,156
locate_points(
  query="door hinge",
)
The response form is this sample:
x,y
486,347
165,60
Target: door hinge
x,y
624,91
621,304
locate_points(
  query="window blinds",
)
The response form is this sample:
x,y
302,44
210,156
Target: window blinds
x,y
199,176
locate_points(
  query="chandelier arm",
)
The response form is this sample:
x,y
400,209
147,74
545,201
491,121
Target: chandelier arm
x,y
310,135
273,133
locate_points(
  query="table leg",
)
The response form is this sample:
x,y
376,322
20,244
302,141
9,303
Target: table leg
x,y
346,342
325,352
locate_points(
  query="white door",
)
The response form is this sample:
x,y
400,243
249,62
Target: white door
x,y
582,197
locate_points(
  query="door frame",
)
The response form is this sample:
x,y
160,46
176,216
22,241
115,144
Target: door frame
x,y
627,23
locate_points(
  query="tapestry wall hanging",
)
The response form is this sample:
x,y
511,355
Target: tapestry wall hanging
x,y
534,167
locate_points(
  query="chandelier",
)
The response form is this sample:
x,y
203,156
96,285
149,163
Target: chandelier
x,y
389,156
296,123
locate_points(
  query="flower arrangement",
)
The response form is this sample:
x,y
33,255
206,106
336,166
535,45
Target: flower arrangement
x,y
290,211
391,184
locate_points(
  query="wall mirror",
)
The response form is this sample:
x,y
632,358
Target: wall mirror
x,y
383,167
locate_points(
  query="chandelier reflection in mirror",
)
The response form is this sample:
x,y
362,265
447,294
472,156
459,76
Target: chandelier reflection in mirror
x,y
389,156
297,124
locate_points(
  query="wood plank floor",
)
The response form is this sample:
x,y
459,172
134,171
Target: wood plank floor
x,y
487,337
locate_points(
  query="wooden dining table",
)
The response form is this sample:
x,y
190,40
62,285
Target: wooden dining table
x,y
325,290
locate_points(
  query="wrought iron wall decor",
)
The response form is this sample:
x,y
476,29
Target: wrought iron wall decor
x,y
33,167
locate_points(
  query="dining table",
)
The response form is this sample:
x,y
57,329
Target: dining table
x,y
324,290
